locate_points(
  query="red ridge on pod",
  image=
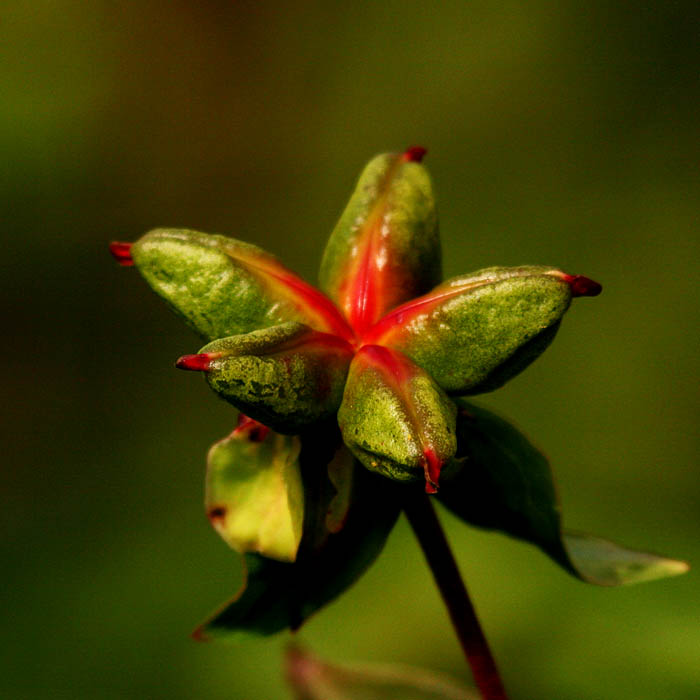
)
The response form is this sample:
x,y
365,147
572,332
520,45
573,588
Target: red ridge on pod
x,y
374,280
305,295
364,291
432,467
398,365
197,363
402,314
122,253
402,369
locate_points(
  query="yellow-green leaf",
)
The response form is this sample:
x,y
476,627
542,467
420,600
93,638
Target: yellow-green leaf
x,y
254,494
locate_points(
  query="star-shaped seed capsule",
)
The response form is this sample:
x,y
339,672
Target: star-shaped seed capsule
x,y
365,374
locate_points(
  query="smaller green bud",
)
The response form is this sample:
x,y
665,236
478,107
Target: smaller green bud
x,y
395,418
254,492
288,376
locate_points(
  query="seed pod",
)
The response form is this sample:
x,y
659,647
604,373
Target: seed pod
x,y
288,376
395,418
224,287
473,333
385,249
254,493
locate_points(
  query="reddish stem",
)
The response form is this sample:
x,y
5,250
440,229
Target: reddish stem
x,y
426,526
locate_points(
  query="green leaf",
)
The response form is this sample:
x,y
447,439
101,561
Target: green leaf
x,y
505,484
224,287
254,495
474,332
385,249
396,420
277,595
603,562
288,376
314,679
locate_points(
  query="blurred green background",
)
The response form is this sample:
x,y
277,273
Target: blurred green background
x,y
558,133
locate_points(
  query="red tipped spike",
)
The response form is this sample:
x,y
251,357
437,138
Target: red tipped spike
x,y
121,253
197,363
583,286
414,154
256,431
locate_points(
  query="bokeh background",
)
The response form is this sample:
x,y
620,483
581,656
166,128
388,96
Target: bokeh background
x,y
558,133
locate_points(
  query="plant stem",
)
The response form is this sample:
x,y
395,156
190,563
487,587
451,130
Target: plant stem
x,y
424,521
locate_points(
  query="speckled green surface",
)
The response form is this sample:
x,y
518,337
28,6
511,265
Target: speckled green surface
x,y
465,338
279,375
202,277
393,199
389,428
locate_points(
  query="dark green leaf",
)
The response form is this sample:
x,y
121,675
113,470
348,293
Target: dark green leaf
x,y
505,484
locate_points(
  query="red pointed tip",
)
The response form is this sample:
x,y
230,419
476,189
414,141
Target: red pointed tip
x,y
121,253
255,431
583,286
414,154
197,363
432,466
199,635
